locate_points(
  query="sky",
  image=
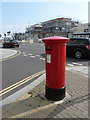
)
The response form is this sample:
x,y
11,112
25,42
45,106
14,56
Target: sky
x,y
16,16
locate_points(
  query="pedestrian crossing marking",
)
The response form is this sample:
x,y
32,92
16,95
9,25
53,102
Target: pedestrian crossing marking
x,y
72,64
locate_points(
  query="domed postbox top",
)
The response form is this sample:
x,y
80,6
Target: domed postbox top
x,y
55,39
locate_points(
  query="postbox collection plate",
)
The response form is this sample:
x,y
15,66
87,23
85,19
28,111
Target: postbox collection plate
x,y
48,58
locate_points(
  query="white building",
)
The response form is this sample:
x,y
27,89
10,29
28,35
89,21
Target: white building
x,y
81,28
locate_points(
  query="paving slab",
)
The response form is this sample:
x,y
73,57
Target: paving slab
x,y
35,105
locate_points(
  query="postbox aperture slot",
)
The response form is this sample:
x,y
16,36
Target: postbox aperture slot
x,y
49,49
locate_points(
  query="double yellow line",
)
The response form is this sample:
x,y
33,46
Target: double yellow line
x,y
8,89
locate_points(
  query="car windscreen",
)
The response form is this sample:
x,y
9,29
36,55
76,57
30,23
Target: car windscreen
x,y
15,41
78,41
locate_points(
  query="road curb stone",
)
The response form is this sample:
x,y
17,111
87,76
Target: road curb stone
x,y
6,53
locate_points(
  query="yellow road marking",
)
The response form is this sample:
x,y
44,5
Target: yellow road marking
x,y
6,90
22,81
11,56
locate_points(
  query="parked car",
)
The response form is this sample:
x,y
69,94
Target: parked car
x,y
10,43
79,47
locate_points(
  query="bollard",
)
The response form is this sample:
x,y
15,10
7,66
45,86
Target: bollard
x,y
55,48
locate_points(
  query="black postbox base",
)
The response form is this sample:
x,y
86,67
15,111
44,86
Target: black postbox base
x,y
55,94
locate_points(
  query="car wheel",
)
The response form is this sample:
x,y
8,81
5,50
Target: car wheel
x,y
78,54
3,46
17,45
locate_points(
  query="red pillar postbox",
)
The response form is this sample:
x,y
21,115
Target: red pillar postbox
x,y
55,48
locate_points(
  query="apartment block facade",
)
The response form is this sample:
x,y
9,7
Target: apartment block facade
x,y
54,27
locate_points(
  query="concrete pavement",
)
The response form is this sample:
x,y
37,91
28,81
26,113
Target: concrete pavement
x,y
4,53
35,105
